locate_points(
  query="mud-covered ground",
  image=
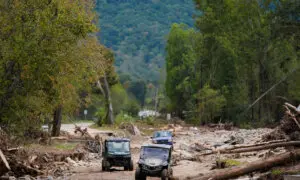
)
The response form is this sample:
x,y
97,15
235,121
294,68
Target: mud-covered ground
x,y
185,163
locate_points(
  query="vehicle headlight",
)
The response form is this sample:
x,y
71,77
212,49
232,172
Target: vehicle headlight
x,y
165,163
169,140
154,141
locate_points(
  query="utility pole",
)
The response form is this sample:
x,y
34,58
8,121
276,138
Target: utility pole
x,y
156,101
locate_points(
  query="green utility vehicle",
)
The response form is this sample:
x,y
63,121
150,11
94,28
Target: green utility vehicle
x,y
116,152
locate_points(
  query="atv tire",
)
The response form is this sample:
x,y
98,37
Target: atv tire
x,y
164,175
171,172
139,175
131,165
105,165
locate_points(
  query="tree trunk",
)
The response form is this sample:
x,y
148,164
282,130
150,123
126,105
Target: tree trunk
x,y
110,113
254,148
57,121
156,101
264,164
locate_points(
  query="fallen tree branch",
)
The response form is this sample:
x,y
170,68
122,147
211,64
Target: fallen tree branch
x,y
288,112
255,148
83,132
6,167
20,168
255,145
292,107
13,150
251,167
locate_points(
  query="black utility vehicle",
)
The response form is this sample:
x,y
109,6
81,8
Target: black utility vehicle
x,y
116,152
155,160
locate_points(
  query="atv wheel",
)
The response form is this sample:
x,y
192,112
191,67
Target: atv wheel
x,y
171,172
131,165
139,175
105,165
164,174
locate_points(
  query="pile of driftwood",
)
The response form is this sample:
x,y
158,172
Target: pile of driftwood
x,y
282,136
18,161
10,158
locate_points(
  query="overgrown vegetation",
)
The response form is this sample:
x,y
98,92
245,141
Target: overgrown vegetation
x,y
240,50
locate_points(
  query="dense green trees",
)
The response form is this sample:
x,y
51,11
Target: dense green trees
x,y
136,31
242,49
47,58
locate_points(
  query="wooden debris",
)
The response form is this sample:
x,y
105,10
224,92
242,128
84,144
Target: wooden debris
x,y
130,127
292,107
83,132
293,117
32,159
254,148
251,167
289,127
4,166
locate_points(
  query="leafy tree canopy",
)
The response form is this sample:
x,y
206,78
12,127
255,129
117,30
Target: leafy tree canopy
x,y
136,32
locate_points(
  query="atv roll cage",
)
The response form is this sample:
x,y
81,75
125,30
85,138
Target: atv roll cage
x,y
116,152
155,160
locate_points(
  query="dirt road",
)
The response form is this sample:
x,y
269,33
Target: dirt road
x,y
91,169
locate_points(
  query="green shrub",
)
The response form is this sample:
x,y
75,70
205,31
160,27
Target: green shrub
x,y
100,114
150,121
132,108
276,172
123,117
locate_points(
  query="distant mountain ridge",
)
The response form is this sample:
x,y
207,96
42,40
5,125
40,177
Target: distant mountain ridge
x,y
136,30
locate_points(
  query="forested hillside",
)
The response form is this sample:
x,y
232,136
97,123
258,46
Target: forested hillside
x,y
242,64
136,30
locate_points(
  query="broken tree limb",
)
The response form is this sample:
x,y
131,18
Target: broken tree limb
x,y
292,107
251,167
20,169
255,148
255,145
272,87
5,167
83,132
288,112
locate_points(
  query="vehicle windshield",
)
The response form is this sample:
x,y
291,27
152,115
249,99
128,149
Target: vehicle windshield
x,y
118,146
161,153
162,134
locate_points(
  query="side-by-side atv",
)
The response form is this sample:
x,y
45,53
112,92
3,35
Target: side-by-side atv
x,y
116,152
155,161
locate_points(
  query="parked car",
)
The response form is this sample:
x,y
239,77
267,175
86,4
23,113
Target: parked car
x,y
155,161
162,137
116,152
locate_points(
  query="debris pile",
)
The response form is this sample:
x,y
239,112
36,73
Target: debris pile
x,y
19,161
92,144
279,147
131,128
289,127
221,126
